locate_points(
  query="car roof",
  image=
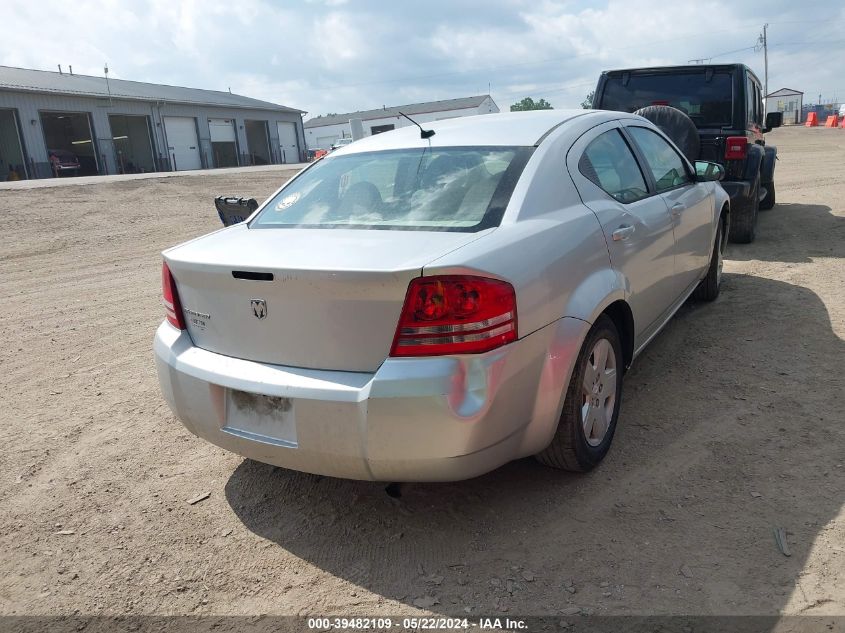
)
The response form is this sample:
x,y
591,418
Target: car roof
x,y
678,68
508,129
655,70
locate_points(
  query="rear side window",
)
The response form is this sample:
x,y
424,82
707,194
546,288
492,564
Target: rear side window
x,y
755,103
751,101
609,163
665,163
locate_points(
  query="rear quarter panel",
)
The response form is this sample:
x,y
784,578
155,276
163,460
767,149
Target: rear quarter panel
x,y
552,249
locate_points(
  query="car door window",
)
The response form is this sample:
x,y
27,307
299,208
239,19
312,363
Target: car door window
x,y
665,163
609,163
749,99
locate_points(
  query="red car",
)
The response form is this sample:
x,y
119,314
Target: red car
x,y
63,161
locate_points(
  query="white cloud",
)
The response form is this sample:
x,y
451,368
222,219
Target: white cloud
x,y
334,56
338,41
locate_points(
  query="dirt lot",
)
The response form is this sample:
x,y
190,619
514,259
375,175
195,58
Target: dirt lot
x,y
732,425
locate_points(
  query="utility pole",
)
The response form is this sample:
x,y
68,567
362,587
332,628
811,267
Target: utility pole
x,y
108,87
762,39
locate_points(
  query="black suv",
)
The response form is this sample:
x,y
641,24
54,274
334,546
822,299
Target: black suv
x,y
724,102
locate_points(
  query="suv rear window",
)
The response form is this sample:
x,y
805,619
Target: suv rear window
x,y
707,103
435,189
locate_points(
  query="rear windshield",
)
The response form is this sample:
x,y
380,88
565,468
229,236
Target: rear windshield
x,y
708,103
435,189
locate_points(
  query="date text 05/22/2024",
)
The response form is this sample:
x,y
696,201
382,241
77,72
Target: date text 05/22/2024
x,y
415,624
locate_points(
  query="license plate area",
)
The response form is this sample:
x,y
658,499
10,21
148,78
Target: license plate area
x,y
260,418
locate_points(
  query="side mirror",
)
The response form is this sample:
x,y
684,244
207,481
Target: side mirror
x,y
773,120
234,210
706,171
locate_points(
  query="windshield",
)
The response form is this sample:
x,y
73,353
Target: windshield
x,y
440,189
707,103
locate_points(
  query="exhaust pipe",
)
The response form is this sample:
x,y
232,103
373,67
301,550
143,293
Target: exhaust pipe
x,y
394,490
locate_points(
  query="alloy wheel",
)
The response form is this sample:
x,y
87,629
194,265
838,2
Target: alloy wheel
x,y
598,389
720,258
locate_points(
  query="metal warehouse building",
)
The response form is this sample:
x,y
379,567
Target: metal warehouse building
x,y
322,131
788,101
50,121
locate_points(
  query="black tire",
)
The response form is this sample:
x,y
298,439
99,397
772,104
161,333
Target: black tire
x,y
570,448
769,200
677,126
744,220
708,288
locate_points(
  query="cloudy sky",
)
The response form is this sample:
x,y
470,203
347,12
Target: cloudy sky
x,y
343,55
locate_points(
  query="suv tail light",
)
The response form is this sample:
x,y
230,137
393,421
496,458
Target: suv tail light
x,y
455,314
170,298
736,147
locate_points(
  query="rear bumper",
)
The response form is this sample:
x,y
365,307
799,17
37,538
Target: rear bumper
x,y
415,419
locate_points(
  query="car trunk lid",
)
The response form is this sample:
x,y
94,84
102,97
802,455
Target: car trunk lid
x,y
314,298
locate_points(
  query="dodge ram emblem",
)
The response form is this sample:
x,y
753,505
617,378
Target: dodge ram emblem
x,y
259,308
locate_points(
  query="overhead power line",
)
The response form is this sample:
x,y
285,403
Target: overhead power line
x,y
545,92
555,87
702,60
807,43
540,62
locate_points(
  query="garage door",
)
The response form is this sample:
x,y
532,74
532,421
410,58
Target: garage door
x,y
222,130
288,146
182,144
12,163
325,142
223,145
132,144
69,137
258,142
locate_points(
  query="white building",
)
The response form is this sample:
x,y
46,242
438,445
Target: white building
x,y
322,131
787,101
118,126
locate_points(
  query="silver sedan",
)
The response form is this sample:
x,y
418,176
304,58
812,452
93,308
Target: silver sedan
x,y
423,307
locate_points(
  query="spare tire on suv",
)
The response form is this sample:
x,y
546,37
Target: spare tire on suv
x,y
677,126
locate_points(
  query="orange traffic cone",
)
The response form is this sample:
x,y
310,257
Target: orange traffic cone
x,y
812,120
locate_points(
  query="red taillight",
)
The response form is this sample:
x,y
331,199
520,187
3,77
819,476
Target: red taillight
x,y
170,299
736,147
455,314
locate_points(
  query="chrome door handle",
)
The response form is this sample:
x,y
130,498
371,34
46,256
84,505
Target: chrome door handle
x,y
676,209
622,233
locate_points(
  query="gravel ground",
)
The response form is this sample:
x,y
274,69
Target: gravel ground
x,y
731,426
